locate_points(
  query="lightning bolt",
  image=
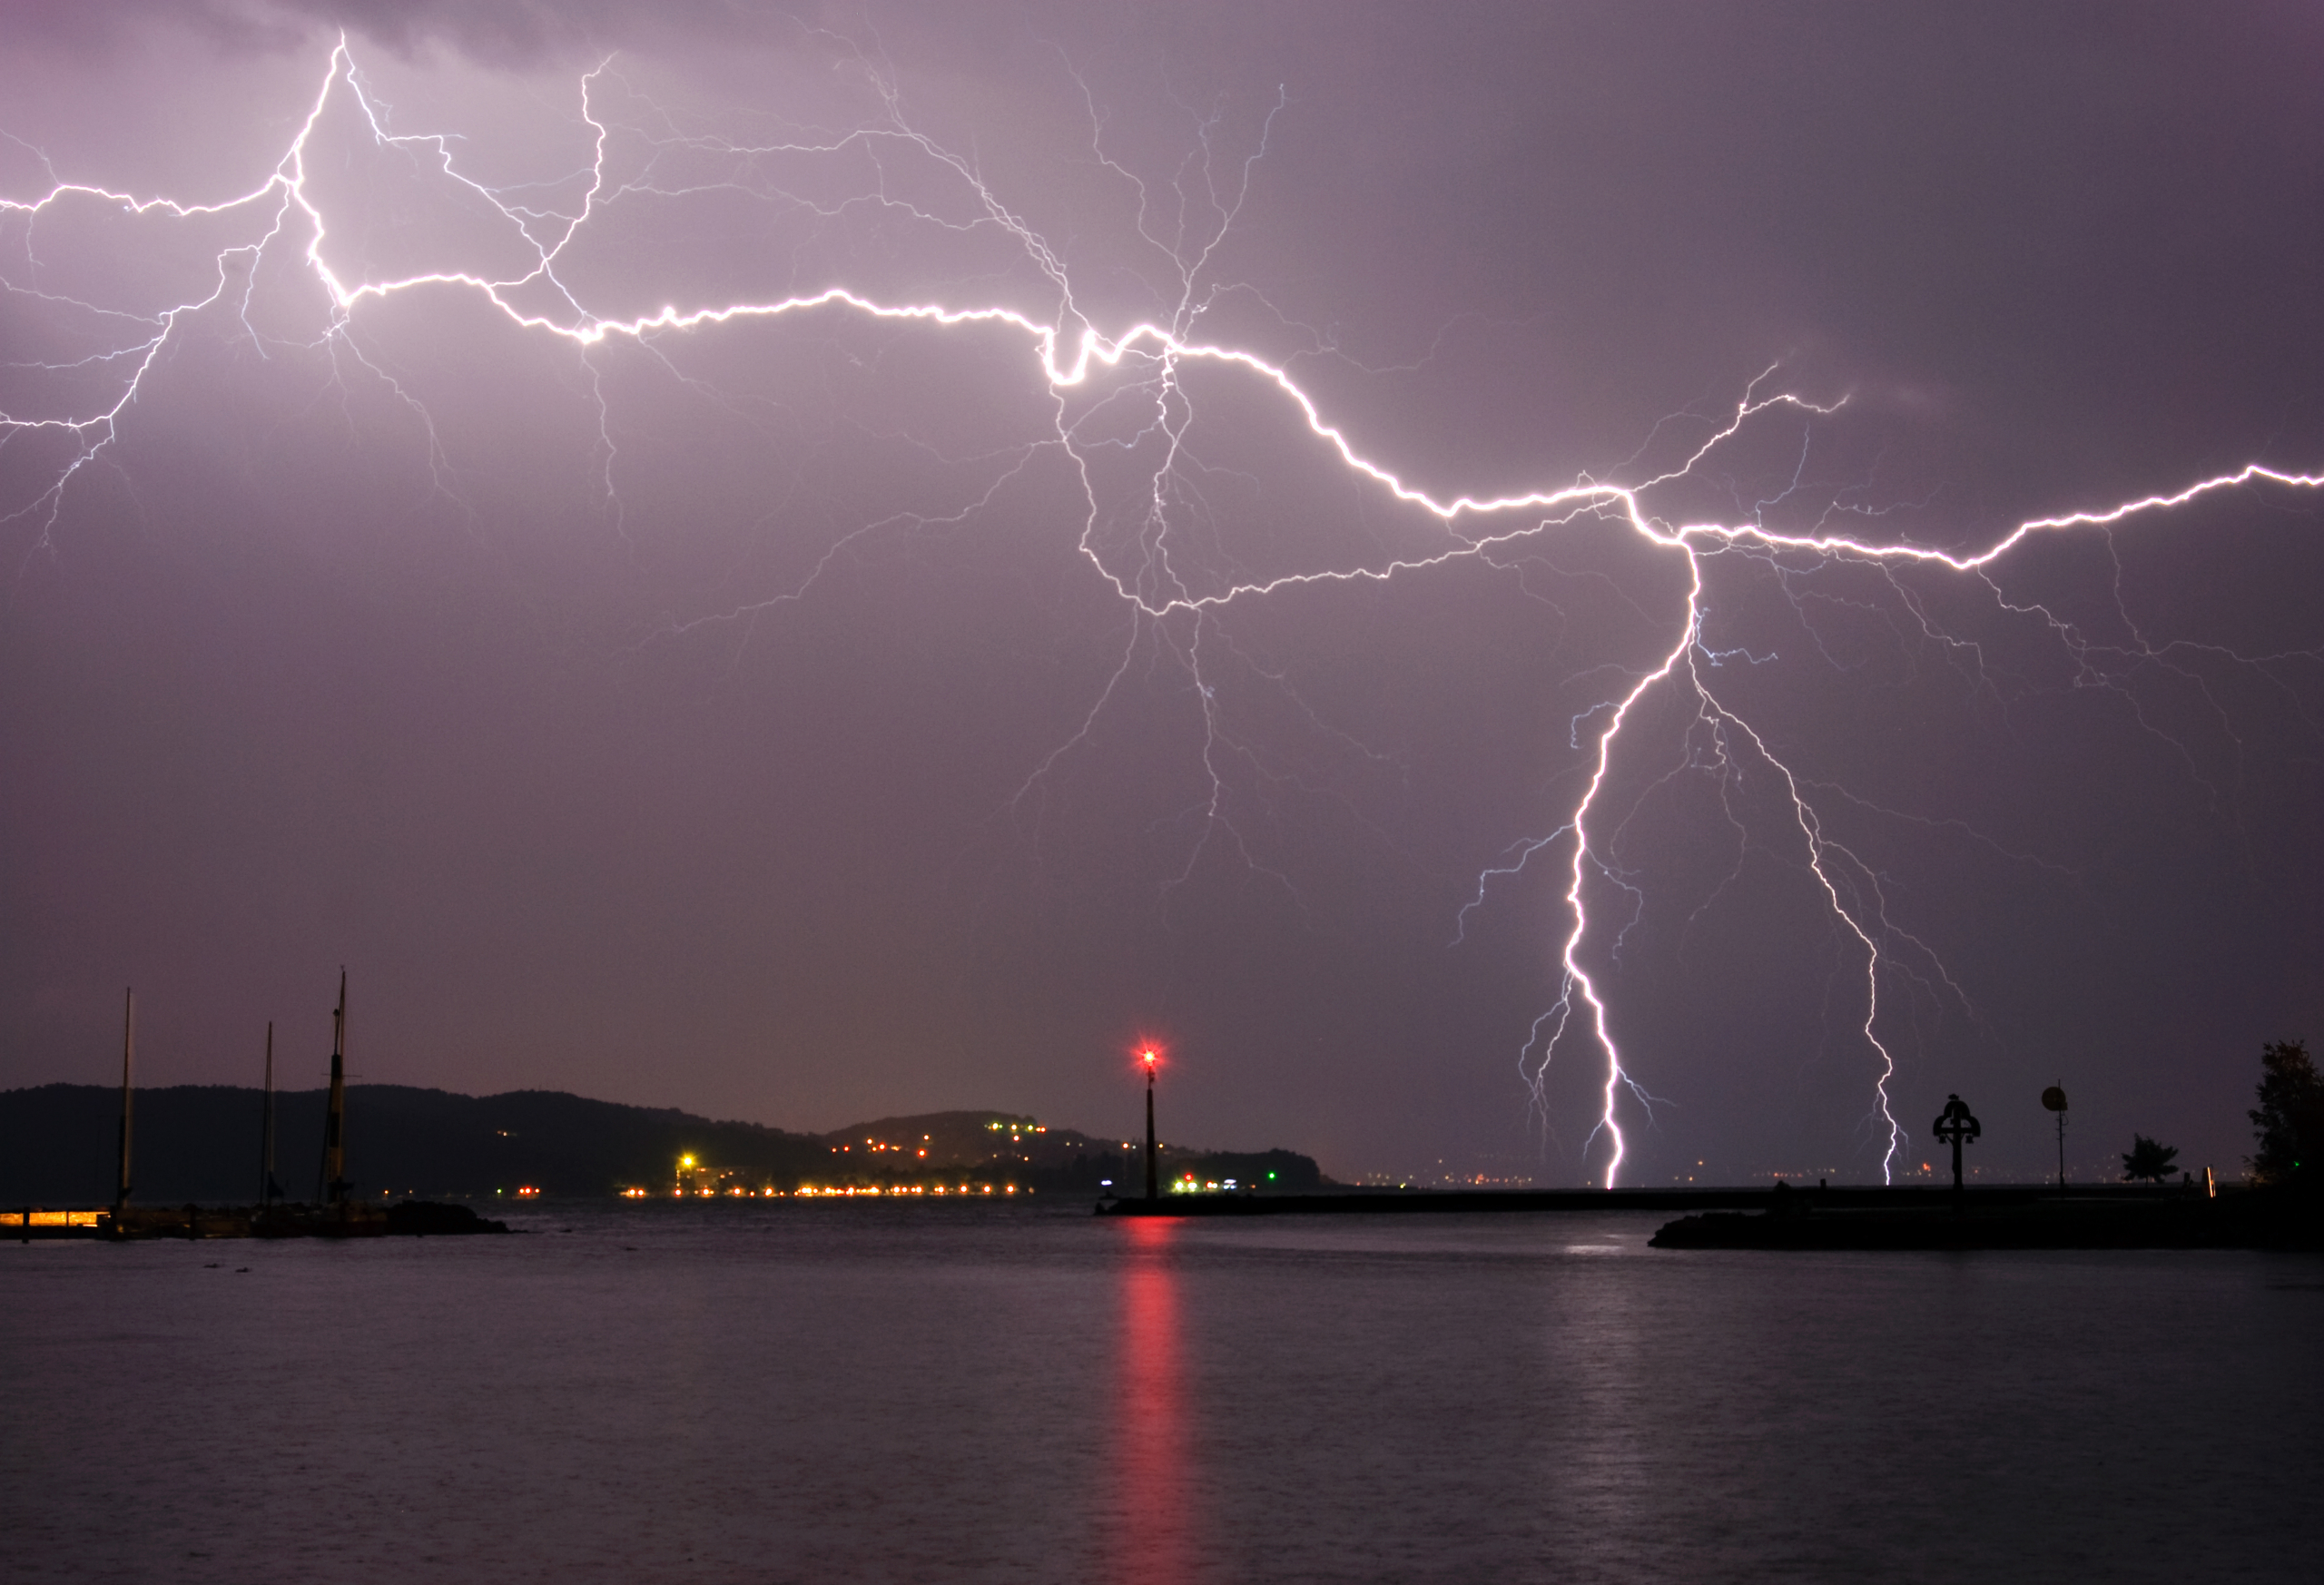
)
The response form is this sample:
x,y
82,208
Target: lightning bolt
x,y
1155,567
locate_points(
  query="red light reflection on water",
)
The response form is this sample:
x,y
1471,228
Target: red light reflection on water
x,y
1153,1530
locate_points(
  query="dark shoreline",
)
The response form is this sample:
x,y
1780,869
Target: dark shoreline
x,y
1785,1219
2016,1216
1424,1201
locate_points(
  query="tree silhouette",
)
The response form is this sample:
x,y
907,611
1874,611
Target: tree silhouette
x,y
2146,1160
2289,1121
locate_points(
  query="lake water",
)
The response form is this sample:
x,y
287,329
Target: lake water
x,y
1026,1394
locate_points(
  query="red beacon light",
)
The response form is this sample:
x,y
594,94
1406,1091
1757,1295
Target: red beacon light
x,y
1147,1057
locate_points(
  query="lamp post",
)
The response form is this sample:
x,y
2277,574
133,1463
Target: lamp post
x,y
1153,1184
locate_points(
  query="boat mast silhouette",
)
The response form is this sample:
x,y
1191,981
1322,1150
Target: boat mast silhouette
x,y
268,1191
332,1190
128,1066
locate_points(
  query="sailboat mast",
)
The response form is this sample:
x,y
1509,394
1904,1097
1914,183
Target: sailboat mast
x,y
266,1127
128,1092
335,1120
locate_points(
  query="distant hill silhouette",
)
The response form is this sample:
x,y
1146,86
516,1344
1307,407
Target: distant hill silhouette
x,y
201,1143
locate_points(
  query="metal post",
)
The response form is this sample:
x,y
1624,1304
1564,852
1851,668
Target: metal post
x,y
1152,1182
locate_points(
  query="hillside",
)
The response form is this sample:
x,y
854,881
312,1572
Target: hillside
x,y
201,1143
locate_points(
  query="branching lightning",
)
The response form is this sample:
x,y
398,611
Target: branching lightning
x,y
282,219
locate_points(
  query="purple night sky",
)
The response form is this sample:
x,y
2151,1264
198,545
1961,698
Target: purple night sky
x,y
813,716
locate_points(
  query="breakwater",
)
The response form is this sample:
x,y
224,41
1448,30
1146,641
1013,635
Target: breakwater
x,y
1437,1202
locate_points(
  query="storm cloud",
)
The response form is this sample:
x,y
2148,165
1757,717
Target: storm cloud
x,y
762,717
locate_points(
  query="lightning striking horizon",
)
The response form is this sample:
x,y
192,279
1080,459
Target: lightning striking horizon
x,y
284,218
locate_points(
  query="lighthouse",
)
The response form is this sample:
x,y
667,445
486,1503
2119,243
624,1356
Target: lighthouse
x,y
1153,1190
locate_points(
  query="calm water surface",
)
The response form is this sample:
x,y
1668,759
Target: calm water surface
x,y
852,1392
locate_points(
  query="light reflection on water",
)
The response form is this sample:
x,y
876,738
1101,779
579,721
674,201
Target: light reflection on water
x,y
1157,1450
1017,1393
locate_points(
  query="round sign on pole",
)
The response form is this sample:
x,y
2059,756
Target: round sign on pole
x,y
2055,1099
